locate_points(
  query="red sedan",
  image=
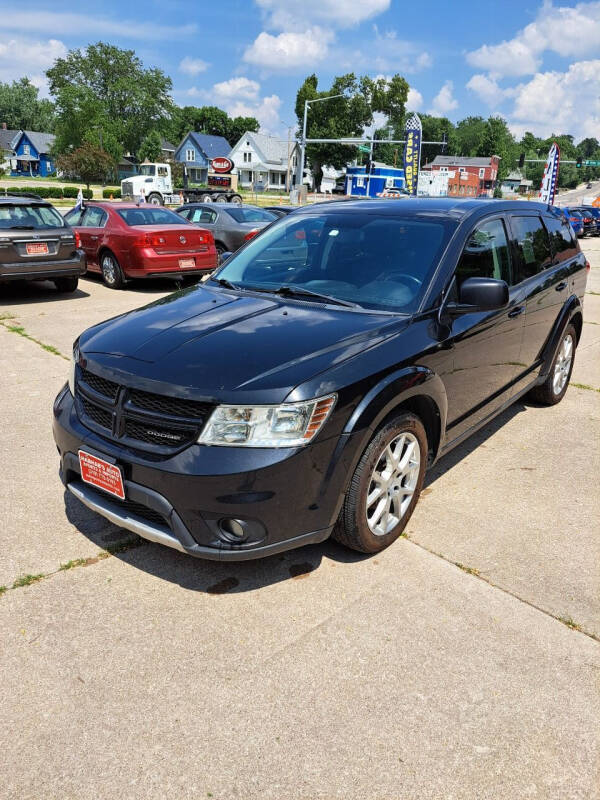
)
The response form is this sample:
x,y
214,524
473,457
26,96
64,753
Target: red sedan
x,y
125,240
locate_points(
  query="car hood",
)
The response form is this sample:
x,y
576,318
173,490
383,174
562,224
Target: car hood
x,y
213,344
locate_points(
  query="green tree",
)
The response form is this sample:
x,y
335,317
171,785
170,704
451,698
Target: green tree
x,y
88,163
105,87
498,141
211,120
151,147
346,116
469,136
22,109
434,129
238,126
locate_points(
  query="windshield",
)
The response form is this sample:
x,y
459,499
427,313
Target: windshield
x,y
251,214
377,262
148,169
29,217
150,215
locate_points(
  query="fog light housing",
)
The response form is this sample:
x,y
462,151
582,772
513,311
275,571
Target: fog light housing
x,y
233,530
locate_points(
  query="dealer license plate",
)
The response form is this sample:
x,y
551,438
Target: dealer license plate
x,y
101,474
186,263
36,249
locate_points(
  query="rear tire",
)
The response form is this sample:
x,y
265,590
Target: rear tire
x,y
385,487
66,285
221,198
207,198
111,271
236,199
155,199
554,388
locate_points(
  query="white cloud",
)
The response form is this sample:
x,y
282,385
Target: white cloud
x,y
559,102
414,100
193,66
488,90
23,57
70,24
241,88
289,50
444,101
567,31
266,112
284,15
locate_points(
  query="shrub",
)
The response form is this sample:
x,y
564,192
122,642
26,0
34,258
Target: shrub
x,y
116,193
73,191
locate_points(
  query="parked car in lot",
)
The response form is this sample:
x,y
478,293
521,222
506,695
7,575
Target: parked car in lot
x,y
305,387
576,220
125,240
231,226
280,211
37,244
591,219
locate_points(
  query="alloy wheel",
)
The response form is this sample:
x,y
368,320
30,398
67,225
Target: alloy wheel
x,y
393,483
562,365
109,270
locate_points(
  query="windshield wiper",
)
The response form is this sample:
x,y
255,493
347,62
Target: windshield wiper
x,y
225,283
299,291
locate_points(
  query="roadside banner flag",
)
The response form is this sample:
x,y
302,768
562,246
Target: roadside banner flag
x,y
79,203
412,153
550,179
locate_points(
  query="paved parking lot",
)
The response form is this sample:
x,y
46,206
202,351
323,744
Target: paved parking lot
x,y
463,662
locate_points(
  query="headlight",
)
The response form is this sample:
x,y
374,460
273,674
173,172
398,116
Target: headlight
x,y
74,360
287,425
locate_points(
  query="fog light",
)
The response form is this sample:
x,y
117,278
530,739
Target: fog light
x,y
233,530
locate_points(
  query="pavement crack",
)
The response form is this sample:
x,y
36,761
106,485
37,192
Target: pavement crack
x,y
475,573
14,327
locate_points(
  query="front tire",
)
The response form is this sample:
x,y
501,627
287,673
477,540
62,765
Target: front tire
x,y
66,285
556,384
155,199
385,487
111,271
207,198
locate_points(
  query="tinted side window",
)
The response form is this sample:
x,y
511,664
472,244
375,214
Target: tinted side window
x,y
74,216
203,215
533,246
562,241
94,218
485,254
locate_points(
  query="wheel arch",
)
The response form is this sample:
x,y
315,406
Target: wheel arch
x,y
570,313
415,389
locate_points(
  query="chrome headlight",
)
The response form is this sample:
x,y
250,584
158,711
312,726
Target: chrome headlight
x,y
286,425
74,360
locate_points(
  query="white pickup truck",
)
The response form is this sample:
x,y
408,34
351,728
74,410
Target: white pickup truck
x,y
155,185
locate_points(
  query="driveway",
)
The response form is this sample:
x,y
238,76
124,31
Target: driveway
x,y
463,662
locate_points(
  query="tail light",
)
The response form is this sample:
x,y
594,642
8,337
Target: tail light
x,y
587,219
150,240
77,241
574,219
588,266
251,234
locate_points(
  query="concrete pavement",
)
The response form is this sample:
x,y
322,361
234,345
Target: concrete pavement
x,y
444,667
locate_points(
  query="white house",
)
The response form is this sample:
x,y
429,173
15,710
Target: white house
x,y
262,162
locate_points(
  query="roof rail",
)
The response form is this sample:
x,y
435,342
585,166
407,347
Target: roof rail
x,y
17,195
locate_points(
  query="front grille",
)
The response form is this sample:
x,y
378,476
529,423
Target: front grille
x,y
140,419
100,385
127,188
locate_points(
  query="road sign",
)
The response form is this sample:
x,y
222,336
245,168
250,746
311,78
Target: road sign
x,y
591,163
364,148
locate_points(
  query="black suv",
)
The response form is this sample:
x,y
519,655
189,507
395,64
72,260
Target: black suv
x,y
304,388
37,244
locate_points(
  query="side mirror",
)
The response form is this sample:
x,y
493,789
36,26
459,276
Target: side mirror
x,y
480,294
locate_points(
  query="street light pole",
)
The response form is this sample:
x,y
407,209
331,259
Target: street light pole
x,y
307,103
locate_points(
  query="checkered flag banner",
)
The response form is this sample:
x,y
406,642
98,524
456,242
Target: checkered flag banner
x,y
550,179
412,153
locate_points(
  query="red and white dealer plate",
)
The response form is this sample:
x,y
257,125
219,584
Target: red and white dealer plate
x,y
101,474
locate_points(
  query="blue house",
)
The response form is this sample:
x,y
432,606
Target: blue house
x,y
32,154
197,150
381,177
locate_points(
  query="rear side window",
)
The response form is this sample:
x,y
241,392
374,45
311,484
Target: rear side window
x,y
203,215
533,246
94,217
485,254
562,241
75,216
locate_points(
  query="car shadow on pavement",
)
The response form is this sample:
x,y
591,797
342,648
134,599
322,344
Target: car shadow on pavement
x,y
16,293
214,577
148,285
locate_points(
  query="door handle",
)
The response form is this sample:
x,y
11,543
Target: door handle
x,y
516,311
561,286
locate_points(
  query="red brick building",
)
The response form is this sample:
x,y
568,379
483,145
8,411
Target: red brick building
x,y
463,184
483,170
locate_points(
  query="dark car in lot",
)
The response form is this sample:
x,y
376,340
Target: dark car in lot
x,y
127,240
231,226
588,223
575,220
591,219
37,244
306,386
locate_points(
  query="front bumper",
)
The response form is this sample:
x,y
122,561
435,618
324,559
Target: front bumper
x,y
285,498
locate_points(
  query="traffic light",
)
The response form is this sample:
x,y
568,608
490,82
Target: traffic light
x,y
368,166
521,160
579,162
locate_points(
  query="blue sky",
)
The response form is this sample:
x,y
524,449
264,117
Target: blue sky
x,y
536,63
